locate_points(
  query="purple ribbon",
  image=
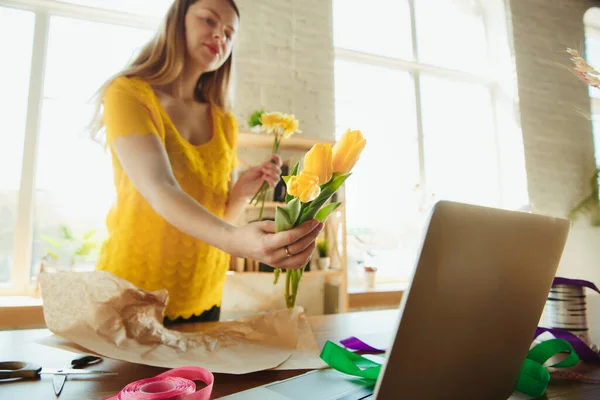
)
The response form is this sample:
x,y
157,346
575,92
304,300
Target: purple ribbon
x,y
354,343
576,282
581,348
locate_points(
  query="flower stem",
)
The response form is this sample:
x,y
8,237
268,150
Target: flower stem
x,y
276,275
262,192
262,206
259,191
288,278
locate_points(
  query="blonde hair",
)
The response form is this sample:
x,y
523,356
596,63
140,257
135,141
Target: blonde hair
x,y
161,61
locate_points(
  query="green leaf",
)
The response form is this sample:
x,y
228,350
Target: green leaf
x,y
51,241
282,220
325,211
293,210
67,233
254,119
313,208
89,234
52,254
323,247
295,169
85,249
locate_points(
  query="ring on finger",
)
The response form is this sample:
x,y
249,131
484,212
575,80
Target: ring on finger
x,y
287,251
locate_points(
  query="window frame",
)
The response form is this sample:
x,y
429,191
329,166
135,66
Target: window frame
x,y
20,283
494,84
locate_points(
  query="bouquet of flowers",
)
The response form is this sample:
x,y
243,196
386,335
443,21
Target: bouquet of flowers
x,y
282,126
325,169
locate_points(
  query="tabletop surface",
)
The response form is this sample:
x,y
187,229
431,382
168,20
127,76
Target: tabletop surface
x,y
19,345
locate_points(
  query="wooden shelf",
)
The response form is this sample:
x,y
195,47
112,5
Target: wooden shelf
x,y
250,140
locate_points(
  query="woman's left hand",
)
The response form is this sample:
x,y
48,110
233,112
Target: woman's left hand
x,y
252,179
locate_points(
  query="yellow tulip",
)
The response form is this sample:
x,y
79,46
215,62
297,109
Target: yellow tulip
x,y
318,161
346,151
305,186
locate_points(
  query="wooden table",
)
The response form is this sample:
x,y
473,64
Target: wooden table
x,y
18,345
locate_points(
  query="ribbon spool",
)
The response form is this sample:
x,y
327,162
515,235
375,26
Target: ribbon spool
x,y
175,384
566,309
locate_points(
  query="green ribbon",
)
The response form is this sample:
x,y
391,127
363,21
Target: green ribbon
x,y
348,362
533,380
534,377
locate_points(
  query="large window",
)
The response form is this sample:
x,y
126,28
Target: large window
x,y
427,86
56,185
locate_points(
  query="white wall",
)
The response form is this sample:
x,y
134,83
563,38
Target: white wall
x,y
558,142
284,62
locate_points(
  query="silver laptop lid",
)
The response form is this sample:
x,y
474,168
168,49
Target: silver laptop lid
x,y
469,314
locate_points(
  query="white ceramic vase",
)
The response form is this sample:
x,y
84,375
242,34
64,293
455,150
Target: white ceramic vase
x,y
324,263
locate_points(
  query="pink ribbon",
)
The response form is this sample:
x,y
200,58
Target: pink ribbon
x,y
175,384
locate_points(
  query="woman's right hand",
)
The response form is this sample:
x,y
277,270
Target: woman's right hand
x,y
258,241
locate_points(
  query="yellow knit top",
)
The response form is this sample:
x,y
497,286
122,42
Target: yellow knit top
x,y
142,247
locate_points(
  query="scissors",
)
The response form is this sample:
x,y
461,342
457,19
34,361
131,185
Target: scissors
x,y
26,370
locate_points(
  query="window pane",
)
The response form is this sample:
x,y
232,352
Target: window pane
x,y
381,103
451,36
379,27
152,8
461,161
591,20
592,54
16,40
83,54
74,177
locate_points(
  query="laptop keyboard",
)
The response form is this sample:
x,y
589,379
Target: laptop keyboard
x,y
363,394
325,384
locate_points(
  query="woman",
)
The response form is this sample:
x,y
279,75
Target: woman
x,y
173,144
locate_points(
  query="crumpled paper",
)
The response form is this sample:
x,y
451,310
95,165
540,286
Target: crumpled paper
x,y
100,313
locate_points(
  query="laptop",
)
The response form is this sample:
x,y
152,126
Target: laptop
x,y
467,318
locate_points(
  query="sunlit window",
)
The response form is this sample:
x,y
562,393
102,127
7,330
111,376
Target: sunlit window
x,y
74,177
414,76
69,183
14,81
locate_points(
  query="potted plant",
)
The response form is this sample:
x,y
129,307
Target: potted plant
x,y
70,247
254,122
65,251
324,261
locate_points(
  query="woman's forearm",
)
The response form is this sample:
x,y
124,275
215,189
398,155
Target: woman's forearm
x,y
189,216
235,206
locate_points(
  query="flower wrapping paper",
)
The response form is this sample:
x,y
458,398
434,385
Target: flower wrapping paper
x,y
98,313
